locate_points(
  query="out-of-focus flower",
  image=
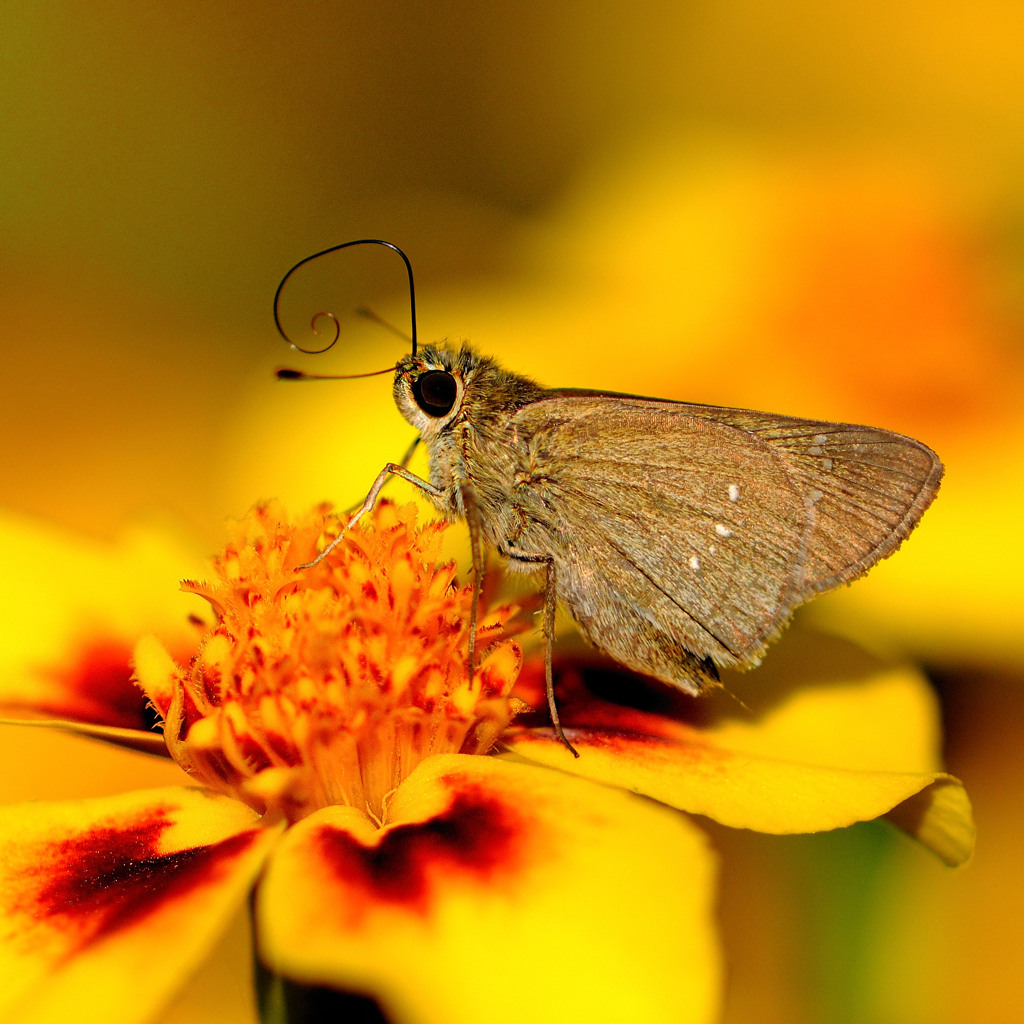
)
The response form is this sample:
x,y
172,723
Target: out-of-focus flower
x,y
337,736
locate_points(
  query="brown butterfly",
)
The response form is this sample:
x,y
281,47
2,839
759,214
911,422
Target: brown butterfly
x,y
680,537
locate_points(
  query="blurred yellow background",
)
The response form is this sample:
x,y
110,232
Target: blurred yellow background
x,y
813,209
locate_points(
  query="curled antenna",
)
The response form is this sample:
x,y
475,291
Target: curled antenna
x,y
331,316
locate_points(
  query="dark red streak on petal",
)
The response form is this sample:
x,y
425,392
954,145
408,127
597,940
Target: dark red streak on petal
x,y
477,837
100,881
647,748
594,695
97,687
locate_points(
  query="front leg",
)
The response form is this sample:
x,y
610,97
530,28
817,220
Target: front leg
x,y
391,469
404,464
548,626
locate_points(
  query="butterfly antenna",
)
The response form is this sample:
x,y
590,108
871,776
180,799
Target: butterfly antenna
x,y
331,316
287,373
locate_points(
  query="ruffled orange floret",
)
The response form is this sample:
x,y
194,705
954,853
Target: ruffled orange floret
x,y
328,684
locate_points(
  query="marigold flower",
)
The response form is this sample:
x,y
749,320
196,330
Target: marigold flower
x,y
328,685
335,732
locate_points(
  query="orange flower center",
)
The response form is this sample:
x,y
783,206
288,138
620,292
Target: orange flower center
x,y
329,684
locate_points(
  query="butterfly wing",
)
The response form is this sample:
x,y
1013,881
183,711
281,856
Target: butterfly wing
x,y
683,536
868,488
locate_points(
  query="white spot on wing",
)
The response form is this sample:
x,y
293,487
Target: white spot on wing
x,y
694,562
722,531
828,465
734,493
820,439
713,550
815,449
816,495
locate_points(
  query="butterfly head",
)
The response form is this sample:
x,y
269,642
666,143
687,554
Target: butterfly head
x,y
430,386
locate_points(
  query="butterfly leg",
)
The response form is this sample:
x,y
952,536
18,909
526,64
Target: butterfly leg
x,y
476,548
391,469
406,458
550,604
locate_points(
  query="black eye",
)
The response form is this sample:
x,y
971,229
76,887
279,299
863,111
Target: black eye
x,y
435,392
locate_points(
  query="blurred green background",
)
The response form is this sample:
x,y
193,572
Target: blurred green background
x,y
816,209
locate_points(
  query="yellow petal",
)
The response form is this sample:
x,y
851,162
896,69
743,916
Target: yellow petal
x,y
940,818
741,790
85,680
493,876
822,700
827,736
113,903
223,990
72,611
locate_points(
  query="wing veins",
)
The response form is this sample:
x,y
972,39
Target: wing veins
x,y
657,586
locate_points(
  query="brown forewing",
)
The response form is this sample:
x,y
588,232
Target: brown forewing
x,y
682,533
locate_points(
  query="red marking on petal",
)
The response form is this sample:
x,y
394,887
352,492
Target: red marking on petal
x,y
633,746
96,882
97,688
477,837
595,693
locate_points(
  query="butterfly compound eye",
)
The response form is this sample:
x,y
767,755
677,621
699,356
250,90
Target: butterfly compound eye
x,y
435,392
